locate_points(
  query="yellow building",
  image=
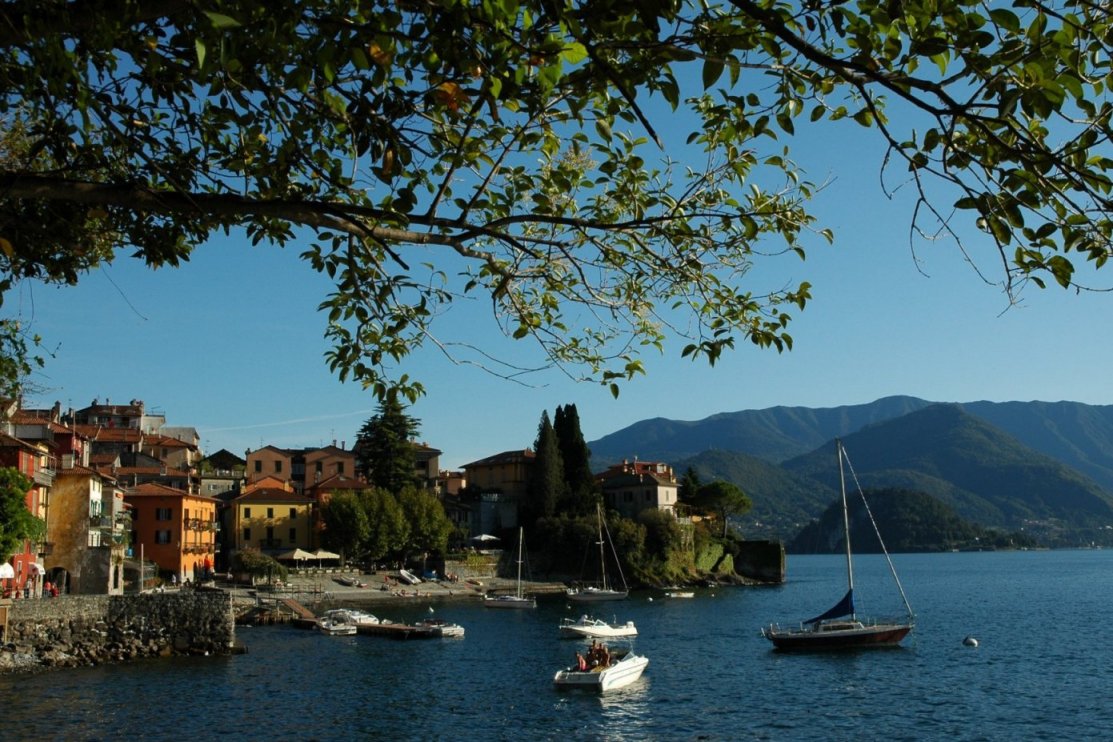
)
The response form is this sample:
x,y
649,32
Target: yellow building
x,y
271,517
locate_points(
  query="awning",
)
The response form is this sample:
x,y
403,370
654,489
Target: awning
x,y
7,572
35,568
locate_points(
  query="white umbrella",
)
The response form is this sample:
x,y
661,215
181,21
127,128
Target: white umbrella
x,y
322,554
485,537
6,571
297,554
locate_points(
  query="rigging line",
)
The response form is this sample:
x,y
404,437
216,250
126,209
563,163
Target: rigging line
x,y
877,531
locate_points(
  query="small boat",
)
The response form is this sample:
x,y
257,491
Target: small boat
x,y
353,616
587,627
440,627
623,670
680,594
518,600
409,577
840,627
335,627
602,592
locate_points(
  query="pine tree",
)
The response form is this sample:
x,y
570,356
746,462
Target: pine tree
x,y
386,453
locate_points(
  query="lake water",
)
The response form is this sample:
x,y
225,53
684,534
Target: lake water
x,y
1043,669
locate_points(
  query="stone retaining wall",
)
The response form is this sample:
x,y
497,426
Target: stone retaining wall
x,y
74,630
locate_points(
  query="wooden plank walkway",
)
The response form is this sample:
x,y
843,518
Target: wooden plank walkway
x,y
298,609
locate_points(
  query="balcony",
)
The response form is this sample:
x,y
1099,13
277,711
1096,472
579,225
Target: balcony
x,y
44,477
101,522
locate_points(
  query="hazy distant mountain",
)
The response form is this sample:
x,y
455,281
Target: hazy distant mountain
x,y
1078,435
773,434
985,474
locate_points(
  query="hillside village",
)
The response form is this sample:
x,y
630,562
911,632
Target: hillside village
x,y
129,501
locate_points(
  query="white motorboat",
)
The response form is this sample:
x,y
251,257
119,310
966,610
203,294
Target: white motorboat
x,y
353,616
517,600
336,627
621,671
587,627
409,577
680,594
440,627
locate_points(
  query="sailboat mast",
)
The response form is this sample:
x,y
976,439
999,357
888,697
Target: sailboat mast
x,y
602,555
845,517
520,532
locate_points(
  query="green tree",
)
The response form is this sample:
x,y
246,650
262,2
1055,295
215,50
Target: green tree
x,y
724,499
689,486
582,491
17,524
517,139
429,526
346,525
385,451
547,484
389,530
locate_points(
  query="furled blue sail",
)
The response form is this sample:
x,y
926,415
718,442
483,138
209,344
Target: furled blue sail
x,y
844,607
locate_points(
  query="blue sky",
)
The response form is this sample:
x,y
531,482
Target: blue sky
x,y
231,343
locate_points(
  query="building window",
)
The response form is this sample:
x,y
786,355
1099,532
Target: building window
x,y
185,513
270,534
162,537
293,536
162,513
270,512
247,512
293,512
339,467
319,466
246,535
278,467
258,466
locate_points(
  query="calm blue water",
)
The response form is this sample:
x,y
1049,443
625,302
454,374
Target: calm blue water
x,y
1043,669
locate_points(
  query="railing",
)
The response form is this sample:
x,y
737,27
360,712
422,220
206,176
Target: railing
x,y
44,477
100,521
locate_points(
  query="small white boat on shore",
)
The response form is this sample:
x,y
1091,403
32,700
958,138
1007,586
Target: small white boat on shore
x,y
622,671
586,627
409,577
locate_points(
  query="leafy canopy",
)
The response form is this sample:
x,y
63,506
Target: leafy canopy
x,y
427,151
17,524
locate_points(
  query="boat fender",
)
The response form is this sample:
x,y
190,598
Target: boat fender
x,y
970,641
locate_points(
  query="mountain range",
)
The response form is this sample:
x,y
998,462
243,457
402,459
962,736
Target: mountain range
x,y
1042,467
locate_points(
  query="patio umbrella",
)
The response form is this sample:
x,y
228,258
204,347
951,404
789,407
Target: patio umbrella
x,y
297,554
320,554
6,571
485,537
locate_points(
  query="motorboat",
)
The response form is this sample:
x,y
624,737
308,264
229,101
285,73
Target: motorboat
x,y
409,577
586,627
335,627
440,627
353,616
680,594
622,670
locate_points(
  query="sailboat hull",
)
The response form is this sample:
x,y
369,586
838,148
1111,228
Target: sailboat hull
x,y
595,595
838,635
509,601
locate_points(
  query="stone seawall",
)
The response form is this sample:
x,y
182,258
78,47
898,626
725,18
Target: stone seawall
x,y
75,630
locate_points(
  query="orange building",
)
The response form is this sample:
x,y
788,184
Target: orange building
x,y
174,529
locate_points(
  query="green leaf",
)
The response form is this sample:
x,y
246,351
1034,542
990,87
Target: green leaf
x,y
222,21
199,47
712,71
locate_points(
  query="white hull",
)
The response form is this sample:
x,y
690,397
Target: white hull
x,y
336,628
509,601
682,594
591,628
409,577
618,675
596,595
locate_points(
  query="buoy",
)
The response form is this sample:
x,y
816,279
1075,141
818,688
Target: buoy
x,y
430,609
970,641
650,598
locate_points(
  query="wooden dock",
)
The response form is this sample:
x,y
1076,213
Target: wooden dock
x,y
399,631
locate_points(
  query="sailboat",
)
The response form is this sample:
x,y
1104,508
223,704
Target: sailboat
x,y
518,600
841,627
604,591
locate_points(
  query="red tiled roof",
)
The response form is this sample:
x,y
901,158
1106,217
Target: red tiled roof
x,y
266,494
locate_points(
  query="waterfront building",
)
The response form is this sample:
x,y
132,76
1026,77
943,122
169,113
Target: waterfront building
x,y
174,528
271,517
634,486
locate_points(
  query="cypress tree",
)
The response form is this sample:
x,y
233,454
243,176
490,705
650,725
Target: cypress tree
x,y
578,478
547,482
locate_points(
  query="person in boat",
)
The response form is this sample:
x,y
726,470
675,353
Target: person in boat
x,y
581,662
604,656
